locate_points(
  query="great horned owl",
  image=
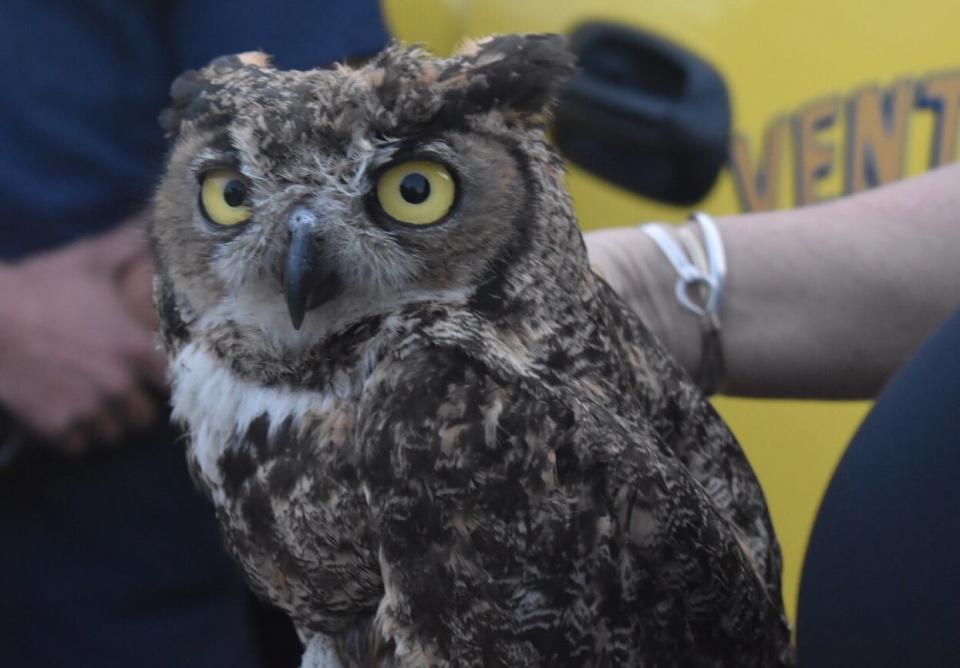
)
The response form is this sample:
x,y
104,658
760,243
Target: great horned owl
x,y
431,434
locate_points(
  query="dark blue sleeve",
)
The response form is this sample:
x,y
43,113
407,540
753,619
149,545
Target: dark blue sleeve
x,y
299,34
881,579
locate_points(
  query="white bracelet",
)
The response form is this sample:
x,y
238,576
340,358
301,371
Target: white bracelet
x,y
699,289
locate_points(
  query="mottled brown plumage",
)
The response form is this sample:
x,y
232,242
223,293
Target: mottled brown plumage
x,y
470,453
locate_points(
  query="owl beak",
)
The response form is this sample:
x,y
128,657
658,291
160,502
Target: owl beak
x,y
306,283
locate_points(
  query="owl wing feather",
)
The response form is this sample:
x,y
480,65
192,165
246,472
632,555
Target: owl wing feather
x,y
521,525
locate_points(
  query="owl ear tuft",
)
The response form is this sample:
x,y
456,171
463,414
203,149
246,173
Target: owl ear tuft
x,y
194,92
517,74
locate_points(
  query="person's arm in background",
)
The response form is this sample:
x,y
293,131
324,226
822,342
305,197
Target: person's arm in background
x,y
77,355
824,301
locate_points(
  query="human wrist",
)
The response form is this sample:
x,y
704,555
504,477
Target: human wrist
x,y
634,267
696,258
674,327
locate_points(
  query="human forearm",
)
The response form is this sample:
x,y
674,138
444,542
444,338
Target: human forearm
x,y
829,301
824,301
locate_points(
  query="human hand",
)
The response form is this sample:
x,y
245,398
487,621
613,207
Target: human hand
x,y
135,282
75,363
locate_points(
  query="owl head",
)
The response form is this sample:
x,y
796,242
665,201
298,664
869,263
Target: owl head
x,y
297,201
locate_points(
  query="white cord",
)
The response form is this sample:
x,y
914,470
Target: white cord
x,y
690,275
706,284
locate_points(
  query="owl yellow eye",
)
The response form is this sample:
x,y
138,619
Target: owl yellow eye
x,y
223,196
418,192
